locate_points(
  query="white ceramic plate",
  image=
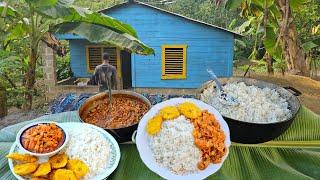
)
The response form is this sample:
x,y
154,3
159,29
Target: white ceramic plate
x,y
145,152
113,160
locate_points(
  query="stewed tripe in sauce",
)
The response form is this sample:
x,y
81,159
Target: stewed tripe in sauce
x,y
43,138
126,110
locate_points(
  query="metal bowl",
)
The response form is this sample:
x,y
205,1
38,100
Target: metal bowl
x,y
253,133
120,134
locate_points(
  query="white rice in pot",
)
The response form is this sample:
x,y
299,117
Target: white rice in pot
x,y
91,147
173,147
257,105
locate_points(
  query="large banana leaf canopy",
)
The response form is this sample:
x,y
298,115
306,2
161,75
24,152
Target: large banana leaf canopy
x,y
294,155
66,18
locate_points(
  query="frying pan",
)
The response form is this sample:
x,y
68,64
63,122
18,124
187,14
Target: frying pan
x,y
120,134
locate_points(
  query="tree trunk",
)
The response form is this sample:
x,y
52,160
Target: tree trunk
x,y
30,79
269,62
267,56
3,102
291,45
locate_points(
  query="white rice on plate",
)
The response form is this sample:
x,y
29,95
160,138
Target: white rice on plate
x,y
89,146
173,147
258,105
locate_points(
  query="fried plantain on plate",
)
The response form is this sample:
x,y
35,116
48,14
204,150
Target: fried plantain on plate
x,y
42,170
79,168
50,175
58,161
25,169
64,174
39,178
22,157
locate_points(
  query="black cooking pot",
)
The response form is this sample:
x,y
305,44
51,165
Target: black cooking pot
x,y
120,134
253,133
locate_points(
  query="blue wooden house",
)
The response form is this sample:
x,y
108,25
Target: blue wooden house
x,y
184,48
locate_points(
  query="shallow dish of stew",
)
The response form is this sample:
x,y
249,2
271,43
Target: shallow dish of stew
x,y
127,109
42,138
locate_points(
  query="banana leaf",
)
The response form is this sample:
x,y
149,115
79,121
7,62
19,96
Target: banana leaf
x,y
294,155
7,11
93,26
100,34
69,13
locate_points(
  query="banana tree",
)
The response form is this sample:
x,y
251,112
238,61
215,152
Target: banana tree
x,y
273,25
311,47
38,20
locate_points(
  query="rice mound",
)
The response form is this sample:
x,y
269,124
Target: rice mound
x,y
258,105
89,146
173,147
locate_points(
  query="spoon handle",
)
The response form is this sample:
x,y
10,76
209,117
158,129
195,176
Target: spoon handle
x,y
214,77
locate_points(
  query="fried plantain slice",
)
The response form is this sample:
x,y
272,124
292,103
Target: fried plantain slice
x,y
58,161
25,169
50,175
79,168
22,157
154,125
190,110
42,170
169,112
39,178
64,174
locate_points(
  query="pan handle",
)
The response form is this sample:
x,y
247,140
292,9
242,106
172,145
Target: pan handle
x,y
293,90
134,137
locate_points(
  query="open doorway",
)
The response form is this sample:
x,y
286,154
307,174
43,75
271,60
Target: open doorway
x,y
126,69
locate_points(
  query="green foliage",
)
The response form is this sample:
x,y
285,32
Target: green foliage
x,y
203,10
99,34
11,69
24,23
233,4
296,4
15,96
63,67
309,45
307,20
96,5
306,17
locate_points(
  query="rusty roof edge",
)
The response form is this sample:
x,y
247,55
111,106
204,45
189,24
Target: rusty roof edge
x,y
237,35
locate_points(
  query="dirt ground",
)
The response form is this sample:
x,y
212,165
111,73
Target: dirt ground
x,y
309,88
17,115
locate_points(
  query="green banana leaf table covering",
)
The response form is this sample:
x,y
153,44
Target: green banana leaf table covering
x,y
294,155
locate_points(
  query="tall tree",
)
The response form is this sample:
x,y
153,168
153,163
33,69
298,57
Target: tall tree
x,y
276,18
291,45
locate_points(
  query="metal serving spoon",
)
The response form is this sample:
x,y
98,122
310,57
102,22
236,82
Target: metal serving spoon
x,y
109,74
223,97
101,122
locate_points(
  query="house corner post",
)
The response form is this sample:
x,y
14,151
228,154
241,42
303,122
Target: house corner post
x,y
49,69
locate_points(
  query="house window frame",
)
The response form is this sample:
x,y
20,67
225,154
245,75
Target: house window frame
x,y
165,76
119,72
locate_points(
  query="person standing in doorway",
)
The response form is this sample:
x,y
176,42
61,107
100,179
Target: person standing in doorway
x,y
104,74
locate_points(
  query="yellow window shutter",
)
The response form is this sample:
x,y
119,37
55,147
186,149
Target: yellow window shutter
x,y
174,61
94,57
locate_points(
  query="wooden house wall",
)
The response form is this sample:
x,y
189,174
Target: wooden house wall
x,y
207,47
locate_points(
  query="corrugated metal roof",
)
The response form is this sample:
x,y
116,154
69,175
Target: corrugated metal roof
x,y
172,13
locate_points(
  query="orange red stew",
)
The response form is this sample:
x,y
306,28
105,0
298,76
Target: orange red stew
x,y
43,138
126,111
209,138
